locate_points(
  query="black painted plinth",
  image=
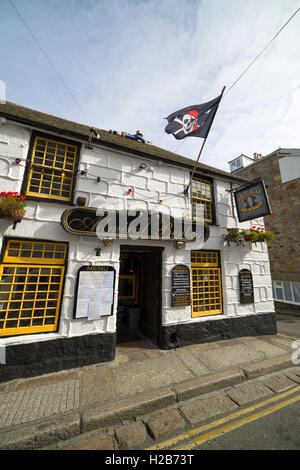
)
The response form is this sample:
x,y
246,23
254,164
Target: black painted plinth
x,y
44,357
175,336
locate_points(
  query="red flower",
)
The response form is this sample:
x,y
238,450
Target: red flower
x,y
13,194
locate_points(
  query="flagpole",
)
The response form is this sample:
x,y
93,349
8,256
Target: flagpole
x,y
186,190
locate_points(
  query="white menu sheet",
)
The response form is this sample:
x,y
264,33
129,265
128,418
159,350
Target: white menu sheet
x,y
95,294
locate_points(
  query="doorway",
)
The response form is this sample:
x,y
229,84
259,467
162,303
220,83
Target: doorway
x,y
139,301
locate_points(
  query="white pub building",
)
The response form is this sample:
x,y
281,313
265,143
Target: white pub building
x,y
68,296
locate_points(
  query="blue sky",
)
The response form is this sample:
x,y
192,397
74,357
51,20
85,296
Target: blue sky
x,y
130,63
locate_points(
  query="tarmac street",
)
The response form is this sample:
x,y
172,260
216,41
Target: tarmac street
x,y
271,424
288,325
288,320
145,395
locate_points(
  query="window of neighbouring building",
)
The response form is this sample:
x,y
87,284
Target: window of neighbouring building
x,y
51,169
31,282
202,200
206,283
286,291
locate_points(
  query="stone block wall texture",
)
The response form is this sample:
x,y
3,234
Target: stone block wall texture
x,y
118,171
284,253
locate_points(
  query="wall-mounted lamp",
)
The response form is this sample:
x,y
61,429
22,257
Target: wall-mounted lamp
x,y
98,251
107,241
179,244
143,166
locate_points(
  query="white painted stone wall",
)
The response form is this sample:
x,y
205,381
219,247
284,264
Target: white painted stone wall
x,y
120,172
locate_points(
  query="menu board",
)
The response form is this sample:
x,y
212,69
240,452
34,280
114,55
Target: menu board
x,y
181,286
246,287
95,292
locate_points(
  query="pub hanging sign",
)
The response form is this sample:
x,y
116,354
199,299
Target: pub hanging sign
x,y
252,201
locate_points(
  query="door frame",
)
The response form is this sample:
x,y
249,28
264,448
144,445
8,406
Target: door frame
x,y
158,250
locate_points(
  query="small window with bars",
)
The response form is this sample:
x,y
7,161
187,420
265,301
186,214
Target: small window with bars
x,y
31,281
206,283
202,200
52,169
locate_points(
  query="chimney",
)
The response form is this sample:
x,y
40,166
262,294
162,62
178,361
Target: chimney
x,y
257,156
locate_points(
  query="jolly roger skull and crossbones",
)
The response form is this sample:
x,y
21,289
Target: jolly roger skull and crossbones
x,y
189,122
193,120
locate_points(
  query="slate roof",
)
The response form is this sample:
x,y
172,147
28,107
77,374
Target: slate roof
x,y
54,124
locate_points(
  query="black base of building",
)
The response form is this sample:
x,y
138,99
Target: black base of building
x,y
28,360
175,336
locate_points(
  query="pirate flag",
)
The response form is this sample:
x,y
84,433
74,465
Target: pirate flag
x,y
193,121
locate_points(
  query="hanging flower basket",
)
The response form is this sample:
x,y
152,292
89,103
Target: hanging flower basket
x,y
12,205
254,234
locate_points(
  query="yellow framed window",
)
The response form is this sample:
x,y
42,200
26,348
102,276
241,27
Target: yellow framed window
x,y
202,199
31,282
128,287
206,283
52,168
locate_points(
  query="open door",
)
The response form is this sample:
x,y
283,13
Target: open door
x,y
139,302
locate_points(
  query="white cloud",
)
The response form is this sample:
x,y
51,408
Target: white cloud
x,y
131,63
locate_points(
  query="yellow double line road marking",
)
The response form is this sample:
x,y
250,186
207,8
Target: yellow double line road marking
x,y
286,336
198,440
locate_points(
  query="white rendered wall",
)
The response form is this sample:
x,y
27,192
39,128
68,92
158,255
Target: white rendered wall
x,y
118,172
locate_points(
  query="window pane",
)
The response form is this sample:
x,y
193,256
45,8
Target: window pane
x,y
296,291
288,291
278,291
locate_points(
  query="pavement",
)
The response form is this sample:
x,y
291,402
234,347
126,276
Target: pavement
x,y
144,395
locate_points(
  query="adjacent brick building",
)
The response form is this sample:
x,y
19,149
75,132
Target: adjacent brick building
x,y
281,173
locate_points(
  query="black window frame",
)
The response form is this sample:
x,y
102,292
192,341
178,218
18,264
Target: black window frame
x,y
25,181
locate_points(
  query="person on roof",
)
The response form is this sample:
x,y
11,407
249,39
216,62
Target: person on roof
x,y
137,136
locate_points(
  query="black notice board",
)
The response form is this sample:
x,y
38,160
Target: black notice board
x,y
181,286
246,287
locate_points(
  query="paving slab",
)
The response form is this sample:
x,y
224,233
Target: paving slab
x,y
192,361
30,404
267,366
131,435
230,356
208,383
293,374
201,409
43,433
127,408
137,356
96,385
90,441
284,343
247,393
46,380
166,422
203,346
278,383
267,348
149,374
